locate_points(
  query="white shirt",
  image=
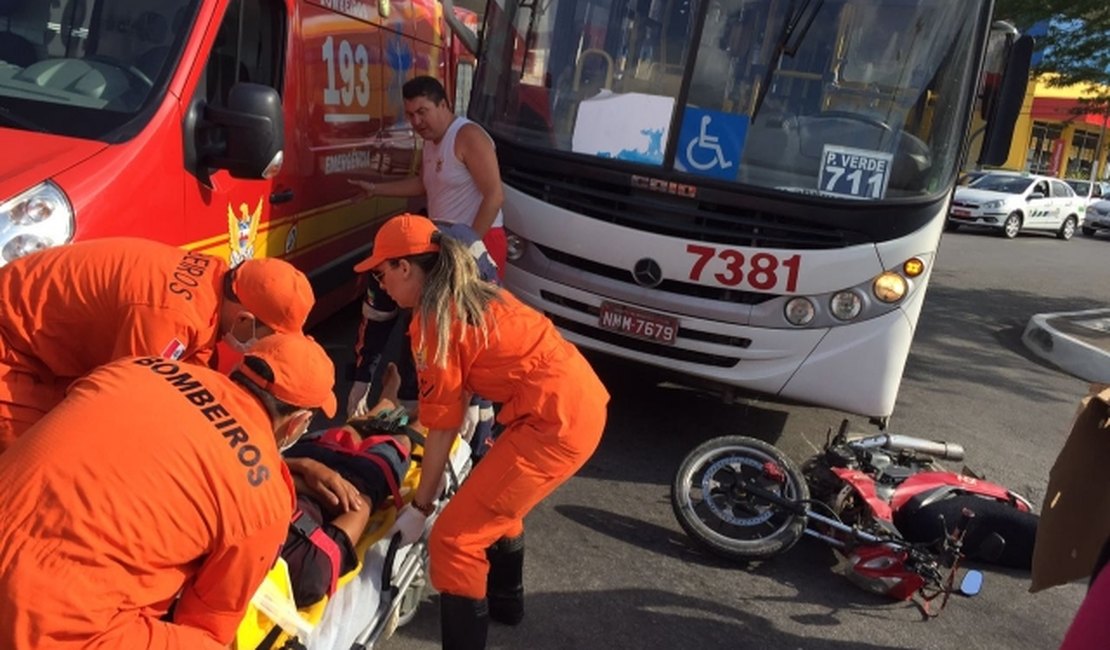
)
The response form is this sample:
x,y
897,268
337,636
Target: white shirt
x,y
452,194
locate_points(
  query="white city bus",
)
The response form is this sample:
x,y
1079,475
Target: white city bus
x,y
747,192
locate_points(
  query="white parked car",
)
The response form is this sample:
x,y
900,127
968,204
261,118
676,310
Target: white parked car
x,y
1098,218
1012,203
1090,190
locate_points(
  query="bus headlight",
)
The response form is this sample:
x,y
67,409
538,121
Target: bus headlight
x,y
800,311
39,218
889,287
514,247
845,305
913,267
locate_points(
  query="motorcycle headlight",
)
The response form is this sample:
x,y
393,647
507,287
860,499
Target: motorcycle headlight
x,y
39,218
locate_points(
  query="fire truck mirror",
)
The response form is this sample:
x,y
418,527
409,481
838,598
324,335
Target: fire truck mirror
x,y
252,129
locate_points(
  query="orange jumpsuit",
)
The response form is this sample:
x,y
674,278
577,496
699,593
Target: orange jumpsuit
x,y
152,478
553,407
67,310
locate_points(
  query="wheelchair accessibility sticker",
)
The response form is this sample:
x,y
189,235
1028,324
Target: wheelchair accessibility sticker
x,y
855,173
710,143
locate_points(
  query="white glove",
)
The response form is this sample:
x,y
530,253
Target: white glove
x,y
470,421
410,523
356,400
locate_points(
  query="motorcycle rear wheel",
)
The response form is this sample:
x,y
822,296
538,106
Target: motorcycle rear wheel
x,y
709,501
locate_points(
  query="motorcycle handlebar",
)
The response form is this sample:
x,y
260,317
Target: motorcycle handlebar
x,y
896,442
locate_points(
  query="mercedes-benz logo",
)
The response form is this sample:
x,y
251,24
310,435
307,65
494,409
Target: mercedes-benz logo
x,y
647,273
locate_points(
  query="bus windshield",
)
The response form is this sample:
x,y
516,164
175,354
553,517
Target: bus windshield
x,y
852,99
85,67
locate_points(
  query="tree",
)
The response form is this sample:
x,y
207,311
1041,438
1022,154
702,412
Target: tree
x,y
1075,46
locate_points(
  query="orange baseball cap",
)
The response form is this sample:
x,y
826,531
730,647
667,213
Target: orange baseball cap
x,y
274,291
304,375
403,235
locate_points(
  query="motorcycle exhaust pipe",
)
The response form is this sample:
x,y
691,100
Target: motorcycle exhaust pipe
x,y
896,442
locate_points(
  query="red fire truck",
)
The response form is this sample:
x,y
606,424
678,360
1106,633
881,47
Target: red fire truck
x,y
225,126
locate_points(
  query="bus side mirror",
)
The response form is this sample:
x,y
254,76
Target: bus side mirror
x,y
254,132
1006,104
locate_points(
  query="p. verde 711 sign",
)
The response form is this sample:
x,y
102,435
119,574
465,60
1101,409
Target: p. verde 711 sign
x,y
855,173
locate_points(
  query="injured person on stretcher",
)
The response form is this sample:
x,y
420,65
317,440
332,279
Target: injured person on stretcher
x,y
341,476
344,579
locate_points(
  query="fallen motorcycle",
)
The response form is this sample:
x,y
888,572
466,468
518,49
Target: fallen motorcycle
x,y
899,522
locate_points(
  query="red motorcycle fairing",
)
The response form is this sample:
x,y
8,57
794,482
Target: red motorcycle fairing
x,y
864,485
929,481
881,570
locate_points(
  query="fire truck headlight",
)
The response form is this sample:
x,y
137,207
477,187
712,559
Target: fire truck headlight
x,y
889,287
515,247
799,311
21,245
39,218
845,305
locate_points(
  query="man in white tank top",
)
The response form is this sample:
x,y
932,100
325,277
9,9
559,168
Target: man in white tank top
x,y
459,174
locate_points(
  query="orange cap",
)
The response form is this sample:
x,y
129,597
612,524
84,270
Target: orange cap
x,y
403,235
304,375
275,292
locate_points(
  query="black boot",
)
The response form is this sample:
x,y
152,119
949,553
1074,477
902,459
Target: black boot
x,y
463,622
505,584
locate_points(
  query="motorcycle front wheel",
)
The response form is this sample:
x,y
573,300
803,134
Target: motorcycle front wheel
x,y
713,506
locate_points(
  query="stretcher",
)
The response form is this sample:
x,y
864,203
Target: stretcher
x,y
369,603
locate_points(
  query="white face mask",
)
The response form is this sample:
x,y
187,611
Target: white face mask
x,y
239,346
242,346
295,436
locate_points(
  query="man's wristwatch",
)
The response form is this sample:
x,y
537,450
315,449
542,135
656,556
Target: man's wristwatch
x,y
426,508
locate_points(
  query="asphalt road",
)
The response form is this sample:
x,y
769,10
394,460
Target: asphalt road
x,y
608,566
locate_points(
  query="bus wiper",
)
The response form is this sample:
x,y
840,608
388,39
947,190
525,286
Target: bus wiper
x,y
535,12
19,121
789,41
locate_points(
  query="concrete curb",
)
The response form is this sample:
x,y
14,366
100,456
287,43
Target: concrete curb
x,y
1077,342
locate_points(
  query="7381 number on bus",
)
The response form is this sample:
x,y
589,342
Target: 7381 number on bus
x,y
760,271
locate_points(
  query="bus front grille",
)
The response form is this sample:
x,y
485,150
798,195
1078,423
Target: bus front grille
x,y
670,286
602,197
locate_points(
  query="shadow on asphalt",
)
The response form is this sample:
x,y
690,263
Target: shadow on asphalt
x,y
650,419
807,566
975,336
634,619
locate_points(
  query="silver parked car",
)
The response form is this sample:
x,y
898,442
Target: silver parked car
x,y
1098,217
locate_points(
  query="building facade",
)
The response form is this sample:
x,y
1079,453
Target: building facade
x,y
1057,135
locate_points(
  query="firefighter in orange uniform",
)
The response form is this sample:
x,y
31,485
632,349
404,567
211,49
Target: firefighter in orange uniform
x,y
154,481
469,336
67,310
